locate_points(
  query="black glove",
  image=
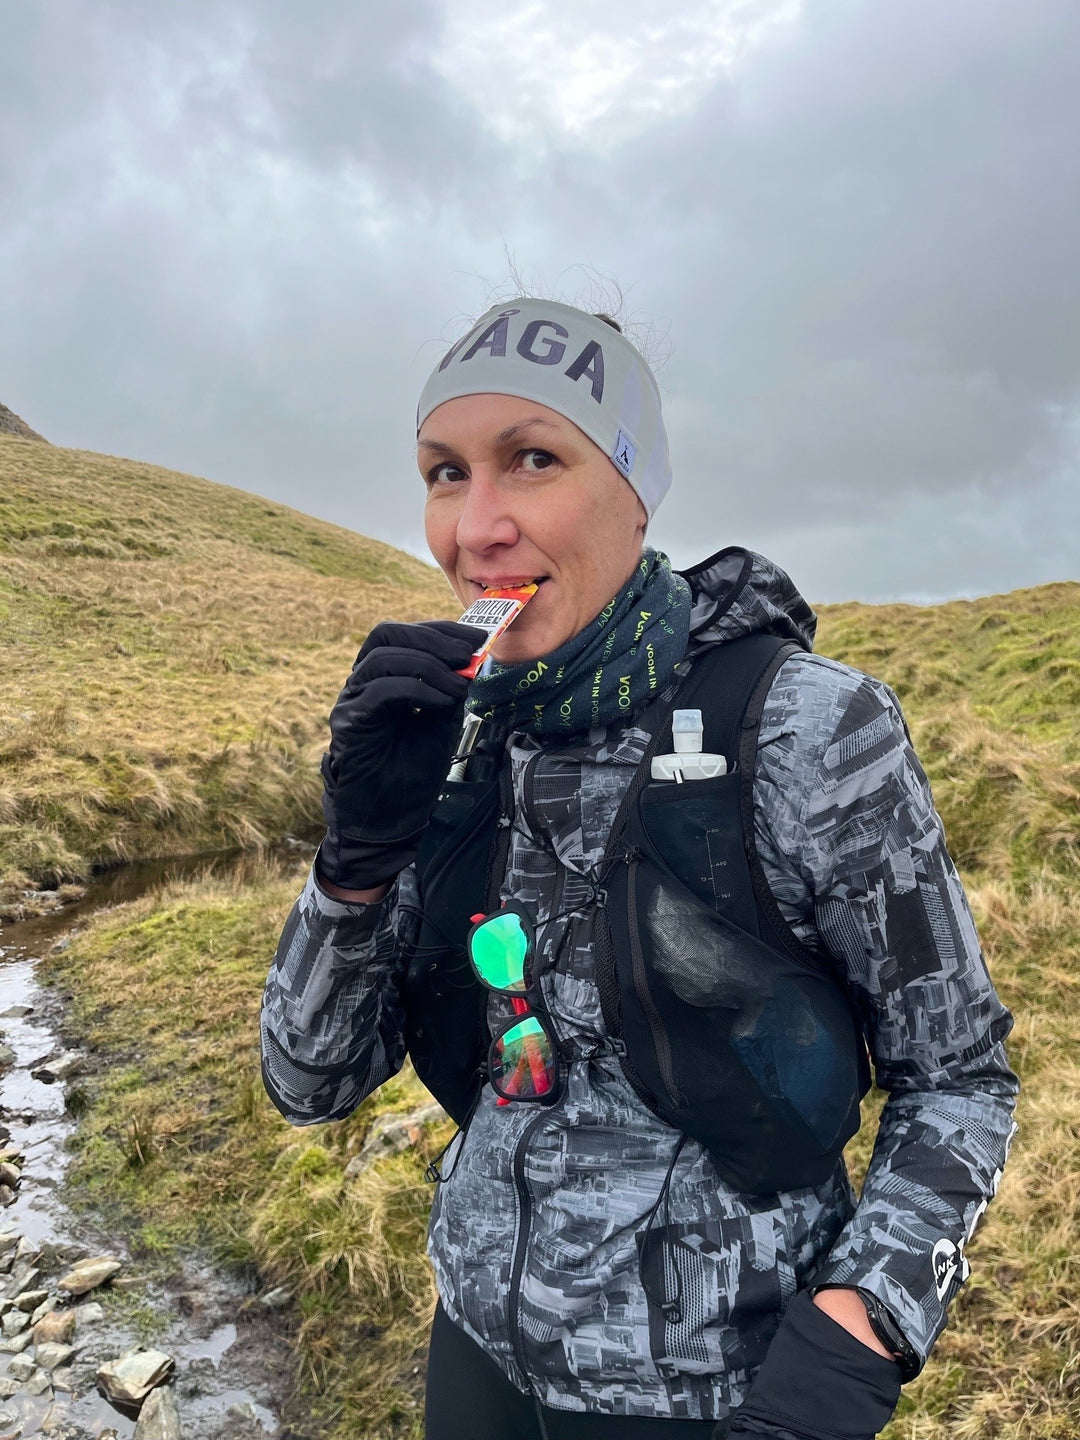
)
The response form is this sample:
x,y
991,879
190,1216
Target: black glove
x,y
392,734
817,1382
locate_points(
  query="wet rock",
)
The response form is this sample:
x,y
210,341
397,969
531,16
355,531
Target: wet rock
x,y
242,1412
21,1368
15,1344
7,1057
62,1380
7,1387
132,1377
14,1321
49,1354
277,1299
7,1417
26,1249
9,1175
7,1195
159,1418
89,1314
16,1012
89,1274
63,1067
38,1383
56,1328
30,1299
42,1310
24,1276
52,1422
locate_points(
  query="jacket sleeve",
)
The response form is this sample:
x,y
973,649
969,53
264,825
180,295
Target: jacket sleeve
x,y
332,1018
848,825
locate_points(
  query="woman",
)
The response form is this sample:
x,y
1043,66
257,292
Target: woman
x,y
798,1313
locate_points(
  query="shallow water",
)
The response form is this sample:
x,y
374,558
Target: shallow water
x,y
233,1361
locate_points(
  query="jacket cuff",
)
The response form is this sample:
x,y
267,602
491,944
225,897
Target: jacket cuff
x,y
362,918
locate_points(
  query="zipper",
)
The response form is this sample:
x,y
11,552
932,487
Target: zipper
x,y
661,1042
521,1245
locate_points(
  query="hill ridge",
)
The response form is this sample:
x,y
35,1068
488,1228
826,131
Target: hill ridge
x,y
12,424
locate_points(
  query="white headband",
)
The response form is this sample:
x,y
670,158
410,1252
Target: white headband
x,y
576,365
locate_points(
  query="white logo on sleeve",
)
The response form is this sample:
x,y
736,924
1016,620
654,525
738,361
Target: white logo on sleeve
x,y
950,1264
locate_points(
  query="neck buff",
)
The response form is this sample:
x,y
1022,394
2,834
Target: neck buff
x,y
606,672
574,364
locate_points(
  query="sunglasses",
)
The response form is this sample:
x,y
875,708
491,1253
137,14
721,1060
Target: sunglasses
x,y
523,1062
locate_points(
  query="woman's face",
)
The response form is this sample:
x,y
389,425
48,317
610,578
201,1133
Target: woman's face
x,y
516,492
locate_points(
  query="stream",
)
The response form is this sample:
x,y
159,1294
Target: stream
x,y
232,1358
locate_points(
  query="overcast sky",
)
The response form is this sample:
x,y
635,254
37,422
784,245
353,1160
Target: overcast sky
x,y
235,236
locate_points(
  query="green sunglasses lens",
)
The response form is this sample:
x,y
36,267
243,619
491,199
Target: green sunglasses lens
x,y
522,1061
498,949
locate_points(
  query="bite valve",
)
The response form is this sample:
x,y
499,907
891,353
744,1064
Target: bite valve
x,y
688,761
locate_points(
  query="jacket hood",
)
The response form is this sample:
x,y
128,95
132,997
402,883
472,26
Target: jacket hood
x,y
736,592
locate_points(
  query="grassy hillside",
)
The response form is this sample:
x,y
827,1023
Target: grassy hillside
x,y
176,1128
170,649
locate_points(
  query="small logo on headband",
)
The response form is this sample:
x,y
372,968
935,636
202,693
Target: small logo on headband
x,y
624,454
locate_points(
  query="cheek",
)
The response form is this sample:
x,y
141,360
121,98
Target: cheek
x,y
439,531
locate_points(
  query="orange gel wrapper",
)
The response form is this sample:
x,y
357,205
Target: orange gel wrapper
x,y
494,611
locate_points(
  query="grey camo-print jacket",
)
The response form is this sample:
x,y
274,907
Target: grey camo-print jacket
x,y
535,1237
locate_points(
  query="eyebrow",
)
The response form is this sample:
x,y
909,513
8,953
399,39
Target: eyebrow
x,y
510,433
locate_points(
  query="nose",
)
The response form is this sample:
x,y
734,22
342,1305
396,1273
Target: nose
x,y
485,518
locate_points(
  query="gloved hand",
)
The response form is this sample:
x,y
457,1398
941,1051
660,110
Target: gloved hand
x,y
392,734
817,1382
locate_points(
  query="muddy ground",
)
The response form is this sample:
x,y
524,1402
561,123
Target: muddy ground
x,y
233,1361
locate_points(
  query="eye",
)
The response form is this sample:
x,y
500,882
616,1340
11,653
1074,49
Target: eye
x,y
446,472
535,462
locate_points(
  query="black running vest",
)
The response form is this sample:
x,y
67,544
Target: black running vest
x,y
732,1031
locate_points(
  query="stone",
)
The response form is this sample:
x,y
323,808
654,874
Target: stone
x,y
89,1314
159,1418
130,1378
89,1274
42,1310
62,1067
9,1175
23,1277
7,1387
49,1354
277,1299
15,1344
21,1368
390,1134
30,1299
54,1418
62,1380
7,1057
38,1383
14,1321
7,1195
7,1417
55,1328
26,1249
16,1012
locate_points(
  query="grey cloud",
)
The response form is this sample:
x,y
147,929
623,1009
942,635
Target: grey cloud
x,y
233,240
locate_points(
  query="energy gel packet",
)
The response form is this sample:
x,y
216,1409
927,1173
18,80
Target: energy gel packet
x,y
493,611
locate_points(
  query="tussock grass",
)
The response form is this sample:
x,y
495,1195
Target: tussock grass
x,y
170,651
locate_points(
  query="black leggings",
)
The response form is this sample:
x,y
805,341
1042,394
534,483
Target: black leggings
x,y
469,1398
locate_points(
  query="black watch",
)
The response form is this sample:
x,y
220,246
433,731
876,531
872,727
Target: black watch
x,y
886,1329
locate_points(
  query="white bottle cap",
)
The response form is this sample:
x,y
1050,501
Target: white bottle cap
x,y
687,731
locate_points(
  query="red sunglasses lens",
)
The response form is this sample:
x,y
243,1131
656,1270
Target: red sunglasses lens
x,y
523,1061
